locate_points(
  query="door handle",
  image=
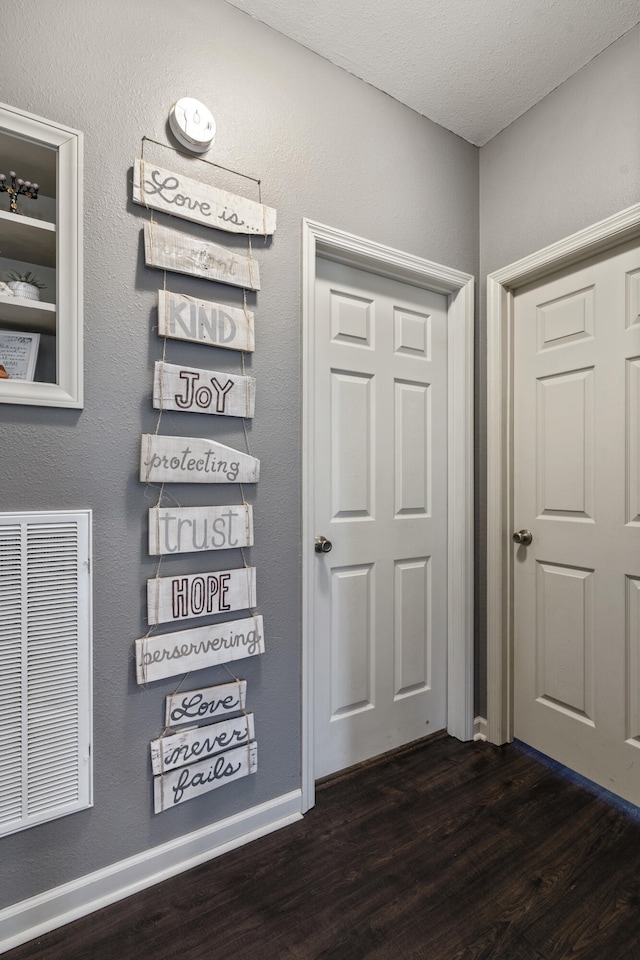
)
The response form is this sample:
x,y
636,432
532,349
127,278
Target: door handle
x,y
323,545
523,537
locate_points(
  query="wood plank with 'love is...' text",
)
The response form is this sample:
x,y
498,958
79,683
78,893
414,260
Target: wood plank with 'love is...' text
x,y
173,788
189,706
194,460
203,321
194,390
178,749
198,594
172,250
192,529
193,200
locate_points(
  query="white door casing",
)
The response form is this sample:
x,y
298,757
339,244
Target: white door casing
x,y
501,521
331,244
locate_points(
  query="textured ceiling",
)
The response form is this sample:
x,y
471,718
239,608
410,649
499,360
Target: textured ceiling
x,y
473,66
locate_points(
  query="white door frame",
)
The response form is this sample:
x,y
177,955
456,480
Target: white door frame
x,y
341,247
500,292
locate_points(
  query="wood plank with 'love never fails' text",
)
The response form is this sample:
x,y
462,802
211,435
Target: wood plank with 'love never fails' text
x,y
207,703
193,529
182,651
178,749
172,250
177,786
199,594
194,390
193,200
194,460
202,321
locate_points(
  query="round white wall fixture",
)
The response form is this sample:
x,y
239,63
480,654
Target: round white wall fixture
x,y
192,124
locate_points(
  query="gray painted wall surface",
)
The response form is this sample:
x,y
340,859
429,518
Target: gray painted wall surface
x,y
326,146
570,161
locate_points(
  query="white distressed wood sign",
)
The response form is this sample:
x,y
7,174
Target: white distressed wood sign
x,y
175,787
172,250
202,321
198,594
194,390
170,654
180,196
193,529
194,460
179,749
207,703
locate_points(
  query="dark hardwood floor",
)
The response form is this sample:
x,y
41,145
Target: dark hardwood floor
x,y
442,851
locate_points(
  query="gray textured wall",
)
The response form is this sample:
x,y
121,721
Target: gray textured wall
x,y
570,161
326,146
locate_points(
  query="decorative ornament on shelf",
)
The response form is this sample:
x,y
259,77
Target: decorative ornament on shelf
x,y
25,285
17,188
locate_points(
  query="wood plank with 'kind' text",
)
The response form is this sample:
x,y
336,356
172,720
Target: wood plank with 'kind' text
x,y
194,390
199,594
177,786
192,529
192,200
172,250
178,749
203,321
207,703
194,460
169,654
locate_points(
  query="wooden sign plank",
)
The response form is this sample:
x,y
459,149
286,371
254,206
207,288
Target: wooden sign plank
x,y
198,594
179,749
168,249
173,788
194,460
170,654
193,529
203,321
193,200
206,703
194,390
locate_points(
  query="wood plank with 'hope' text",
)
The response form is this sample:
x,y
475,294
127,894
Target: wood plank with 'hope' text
x,y
202,321
180,785
206,703
192,200
199,594
194,460
178,749
194,390
172,250
169,654
192,529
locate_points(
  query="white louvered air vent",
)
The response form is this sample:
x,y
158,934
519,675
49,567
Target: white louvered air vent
x,y
45,667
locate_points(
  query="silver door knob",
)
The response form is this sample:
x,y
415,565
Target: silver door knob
x,y
323,545
523,537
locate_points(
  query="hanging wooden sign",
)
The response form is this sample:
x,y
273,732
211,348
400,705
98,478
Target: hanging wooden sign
x,y
192,200
203,391
203,321
199,594
192,529
172,250
194,460
177,786
207,703
178,749
170,654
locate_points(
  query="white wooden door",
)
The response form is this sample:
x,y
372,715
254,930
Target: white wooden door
x,y
577,490
380,595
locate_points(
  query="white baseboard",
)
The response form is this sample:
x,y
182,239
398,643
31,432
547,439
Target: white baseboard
x,y
480,728
34,917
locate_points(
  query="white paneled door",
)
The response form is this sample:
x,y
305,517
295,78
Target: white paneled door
x,y
577,491
380,598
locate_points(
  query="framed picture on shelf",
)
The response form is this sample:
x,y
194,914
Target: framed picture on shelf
x,y
18,355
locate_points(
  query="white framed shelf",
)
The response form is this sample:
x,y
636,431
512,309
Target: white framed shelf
x,y
34,315
23,238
